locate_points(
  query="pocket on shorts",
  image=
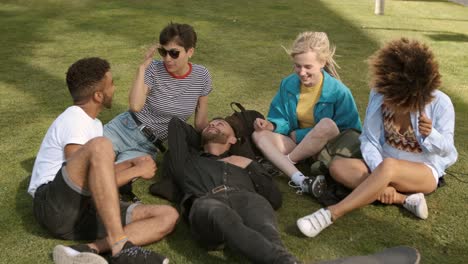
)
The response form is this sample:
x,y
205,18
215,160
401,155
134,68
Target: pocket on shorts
x,y
127,121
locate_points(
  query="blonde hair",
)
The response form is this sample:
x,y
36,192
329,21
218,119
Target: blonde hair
x,y
317,42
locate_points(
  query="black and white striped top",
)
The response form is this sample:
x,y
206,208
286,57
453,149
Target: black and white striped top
x,y
170,96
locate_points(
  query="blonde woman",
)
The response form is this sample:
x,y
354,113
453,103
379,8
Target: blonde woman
x,y
311,107
407,140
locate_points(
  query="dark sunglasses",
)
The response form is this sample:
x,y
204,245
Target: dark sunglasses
x,y
172,52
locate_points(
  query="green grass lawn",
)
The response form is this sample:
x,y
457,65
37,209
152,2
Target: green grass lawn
x,y
240,43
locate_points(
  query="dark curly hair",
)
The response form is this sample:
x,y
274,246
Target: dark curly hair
x,y
406,73
84,75
183,34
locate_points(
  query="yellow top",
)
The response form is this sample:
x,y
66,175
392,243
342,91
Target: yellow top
x,y
308,97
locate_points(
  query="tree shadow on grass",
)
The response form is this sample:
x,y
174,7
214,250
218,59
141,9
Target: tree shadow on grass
x,y
439,32
452,37
39,91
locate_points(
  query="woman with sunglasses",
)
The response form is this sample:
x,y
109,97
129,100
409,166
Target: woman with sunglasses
x,y
311,107
407,140
166,88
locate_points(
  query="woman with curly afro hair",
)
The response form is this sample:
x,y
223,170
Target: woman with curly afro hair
x,y
407,139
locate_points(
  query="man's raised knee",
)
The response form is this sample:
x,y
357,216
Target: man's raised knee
x,y
101,148
170,217
100,144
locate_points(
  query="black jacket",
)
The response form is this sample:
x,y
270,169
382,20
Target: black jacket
x,y
195,173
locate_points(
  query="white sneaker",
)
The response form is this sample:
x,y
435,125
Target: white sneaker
x,y
67,255
312,225
416,203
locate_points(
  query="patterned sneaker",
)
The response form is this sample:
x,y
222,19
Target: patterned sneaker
x,y
416,203
77,254
314,185
131,254
312,225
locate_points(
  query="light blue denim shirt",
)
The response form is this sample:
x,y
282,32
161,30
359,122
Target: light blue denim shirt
x,y
438,148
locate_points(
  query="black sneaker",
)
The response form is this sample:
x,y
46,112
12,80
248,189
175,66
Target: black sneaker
x,y
84,248
315,185
77,254
131,254
127,195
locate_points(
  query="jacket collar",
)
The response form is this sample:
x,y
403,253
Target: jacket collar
x,y
327,95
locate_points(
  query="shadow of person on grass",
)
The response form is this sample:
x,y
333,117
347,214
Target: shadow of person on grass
x,y
24,205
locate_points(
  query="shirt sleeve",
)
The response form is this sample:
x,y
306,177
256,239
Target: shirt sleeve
x,y
207,87
150,75
278,113
76,132
183,139
371,147
440,140
346,113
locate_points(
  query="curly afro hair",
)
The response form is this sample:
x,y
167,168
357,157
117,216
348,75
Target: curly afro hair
x,y
406,73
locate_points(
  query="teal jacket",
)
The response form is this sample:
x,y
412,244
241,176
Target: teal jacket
x,y
336,102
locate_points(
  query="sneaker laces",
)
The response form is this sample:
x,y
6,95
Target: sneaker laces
x,y
416,204
298,188
412,204
311,225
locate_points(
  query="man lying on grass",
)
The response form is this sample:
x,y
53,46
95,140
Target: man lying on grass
x,y
228,199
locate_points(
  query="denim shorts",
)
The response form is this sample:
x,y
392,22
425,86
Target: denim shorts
x,y
128,140
68,212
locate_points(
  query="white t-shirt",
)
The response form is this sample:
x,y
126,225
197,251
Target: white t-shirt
x,y
73,126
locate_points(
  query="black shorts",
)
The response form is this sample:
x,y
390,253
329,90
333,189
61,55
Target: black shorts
x,y
68,212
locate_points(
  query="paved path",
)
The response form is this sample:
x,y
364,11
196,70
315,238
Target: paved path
x,y
461,2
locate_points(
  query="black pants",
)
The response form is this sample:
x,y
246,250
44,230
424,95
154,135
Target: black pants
x,y
70,214
244,221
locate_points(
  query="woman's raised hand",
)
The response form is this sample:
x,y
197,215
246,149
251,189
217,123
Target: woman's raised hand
x,y
148,58
425,125
262,124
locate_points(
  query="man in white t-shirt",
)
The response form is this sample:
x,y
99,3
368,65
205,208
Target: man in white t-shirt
x,y
74,181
